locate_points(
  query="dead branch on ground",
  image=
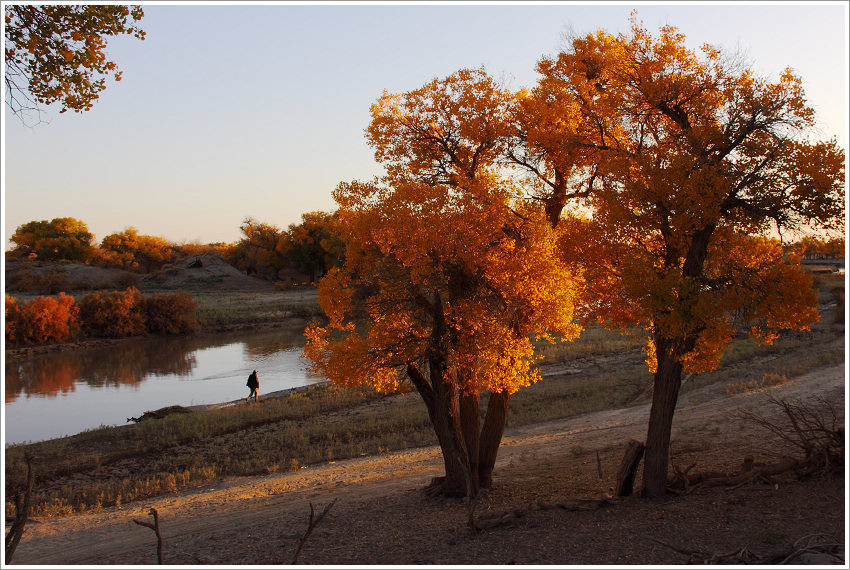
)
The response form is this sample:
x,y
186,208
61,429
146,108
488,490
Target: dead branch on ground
x,y
741,555
22,511
154,526
510,516
311,524
810,427
628,468
828,548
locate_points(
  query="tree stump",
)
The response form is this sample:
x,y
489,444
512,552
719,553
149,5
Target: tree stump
x,y
628,469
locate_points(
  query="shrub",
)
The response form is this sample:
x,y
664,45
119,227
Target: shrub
x,y
12,317
42,319
171,313
113,315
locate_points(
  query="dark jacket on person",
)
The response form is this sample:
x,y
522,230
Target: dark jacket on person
x,y
252,381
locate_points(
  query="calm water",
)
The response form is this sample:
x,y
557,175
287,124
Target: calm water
x,y
65,393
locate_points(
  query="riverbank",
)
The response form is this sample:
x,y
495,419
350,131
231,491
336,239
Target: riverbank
x,y
540,471
282,432
260,397
24,352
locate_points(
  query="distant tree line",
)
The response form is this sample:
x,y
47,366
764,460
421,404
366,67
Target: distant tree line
x,y
309,248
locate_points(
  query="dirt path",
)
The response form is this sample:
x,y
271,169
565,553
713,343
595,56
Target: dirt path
x,y
382,516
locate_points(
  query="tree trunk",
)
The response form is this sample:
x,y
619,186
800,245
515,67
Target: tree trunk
x,y
470,422
441,401
665,393
491,436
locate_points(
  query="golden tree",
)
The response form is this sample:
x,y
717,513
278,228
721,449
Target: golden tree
x,y
698,159
56,240
131,250
57,53
312,246
448,274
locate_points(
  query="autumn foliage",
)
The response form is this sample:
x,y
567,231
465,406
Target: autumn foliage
x,y
110,315
697,158
449,275
57,53
134,251
40,320
170,313
113,315
54,240
681,162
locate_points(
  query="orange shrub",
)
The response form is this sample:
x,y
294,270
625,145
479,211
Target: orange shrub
x,y
170,313
113,315
42,319
12,318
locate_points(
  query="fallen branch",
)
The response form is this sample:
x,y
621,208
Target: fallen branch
x,y
311,524
628,468
22,511
508,517
154,526
823,544
741,555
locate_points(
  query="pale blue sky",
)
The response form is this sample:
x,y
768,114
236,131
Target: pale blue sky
x,y
229,111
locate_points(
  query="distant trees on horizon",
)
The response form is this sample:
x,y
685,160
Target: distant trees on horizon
x,y
309,248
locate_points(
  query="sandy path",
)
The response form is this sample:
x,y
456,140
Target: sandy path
x,y
259,519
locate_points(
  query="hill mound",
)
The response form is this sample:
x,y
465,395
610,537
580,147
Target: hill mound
x,y
204,270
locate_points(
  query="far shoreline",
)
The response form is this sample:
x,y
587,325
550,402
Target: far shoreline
x,y
25,352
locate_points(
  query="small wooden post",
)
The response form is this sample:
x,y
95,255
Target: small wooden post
x,y
154,526
628,468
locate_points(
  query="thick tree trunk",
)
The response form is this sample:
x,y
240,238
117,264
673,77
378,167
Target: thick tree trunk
x,y
665,393
441,401
491,436
470,422
447,426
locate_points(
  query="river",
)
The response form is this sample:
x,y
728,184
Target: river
x,y
64,393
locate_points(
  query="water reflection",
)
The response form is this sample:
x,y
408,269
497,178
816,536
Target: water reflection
x,y
65,392
131,362
125,363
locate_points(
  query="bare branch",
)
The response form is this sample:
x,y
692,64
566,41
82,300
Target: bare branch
x,y
311,524
154,526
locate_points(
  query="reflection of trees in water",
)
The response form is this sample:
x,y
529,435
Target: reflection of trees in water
x,y
264,345
124,363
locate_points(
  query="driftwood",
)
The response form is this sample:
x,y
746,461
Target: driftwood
x,y
160,413
22,511
628,468
154,526
819,548
508,517
311,524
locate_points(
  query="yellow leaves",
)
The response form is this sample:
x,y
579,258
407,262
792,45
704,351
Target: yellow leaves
x,y
418,254
448,130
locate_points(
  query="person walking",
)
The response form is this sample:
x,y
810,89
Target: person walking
x,y
254,384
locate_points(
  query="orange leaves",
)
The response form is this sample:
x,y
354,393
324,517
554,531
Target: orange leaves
x,y
42,319
441,256
443,132
63,57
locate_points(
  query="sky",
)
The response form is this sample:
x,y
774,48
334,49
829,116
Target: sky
x,y
230,111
